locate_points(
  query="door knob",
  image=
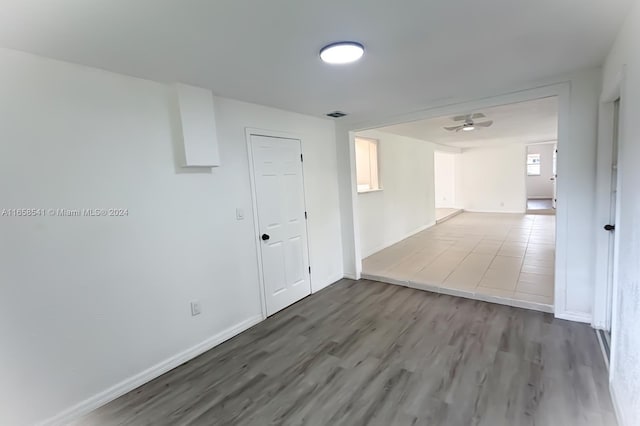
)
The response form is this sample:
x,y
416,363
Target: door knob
x,y
609,227
265,237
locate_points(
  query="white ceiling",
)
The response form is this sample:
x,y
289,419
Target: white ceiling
x,y
524,122
417,51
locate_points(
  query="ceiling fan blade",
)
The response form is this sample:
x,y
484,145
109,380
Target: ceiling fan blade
x,y
468,117
484,123
451,129
465,117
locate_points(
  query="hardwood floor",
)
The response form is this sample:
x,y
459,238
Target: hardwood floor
x,y
367,353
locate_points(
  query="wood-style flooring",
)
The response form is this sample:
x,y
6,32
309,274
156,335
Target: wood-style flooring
x,y
368,353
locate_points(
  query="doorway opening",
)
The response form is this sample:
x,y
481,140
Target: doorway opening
x,y
488,247
541,178
445,166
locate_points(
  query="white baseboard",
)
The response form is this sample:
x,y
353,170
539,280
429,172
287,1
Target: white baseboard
x,y
415,231
349,276
127,385
574,316
540,197
622,421
449,216
602,349
496,211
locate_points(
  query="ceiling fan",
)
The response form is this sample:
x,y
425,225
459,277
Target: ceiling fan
x,y
468,123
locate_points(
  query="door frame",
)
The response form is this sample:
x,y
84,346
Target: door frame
x,y
562,91
605,291
250,131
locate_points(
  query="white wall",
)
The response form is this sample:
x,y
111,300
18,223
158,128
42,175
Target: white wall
x,y
576,197
88,303
625,368
445,170
493,179
541,186
406,203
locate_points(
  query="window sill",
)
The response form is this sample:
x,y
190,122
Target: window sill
x,y
370,190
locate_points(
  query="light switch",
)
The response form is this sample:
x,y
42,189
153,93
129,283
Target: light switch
x,y
239,214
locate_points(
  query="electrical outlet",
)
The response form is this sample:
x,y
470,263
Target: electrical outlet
x,y
195,308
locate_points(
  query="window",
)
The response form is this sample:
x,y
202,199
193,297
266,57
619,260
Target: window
x,y
533,164
367,165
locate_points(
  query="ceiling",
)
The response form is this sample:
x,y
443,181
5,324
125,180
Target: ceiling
x,y
524,122
267,51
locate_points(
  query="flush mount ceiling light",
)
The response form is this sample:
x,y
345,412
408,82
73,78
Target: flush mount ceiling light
x,y
343,52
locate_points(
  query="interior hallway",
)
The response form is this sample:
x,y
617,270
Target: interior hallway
x,y
367,353
504,258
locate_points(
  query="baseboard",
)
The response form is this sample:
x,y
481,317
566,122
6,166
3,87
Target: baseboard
x,y
496,211
622,421
539,197
544,212
127,385
603,350
449,216
574,316
395,241
349,276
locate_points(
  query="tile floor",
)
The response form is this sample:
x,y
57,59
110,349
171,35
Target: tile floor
x,y
504,258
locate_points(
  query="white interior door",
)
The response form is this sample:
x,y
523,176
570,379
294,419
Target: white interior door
x,y
554,178
612,212
279,191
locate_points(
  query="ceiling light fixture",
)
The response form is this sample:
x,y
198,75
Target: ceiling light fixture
x,y
343,52
468,128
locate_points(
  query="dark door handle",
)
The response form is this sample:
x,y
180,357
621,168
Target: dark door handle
x,y
265,237
609,227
